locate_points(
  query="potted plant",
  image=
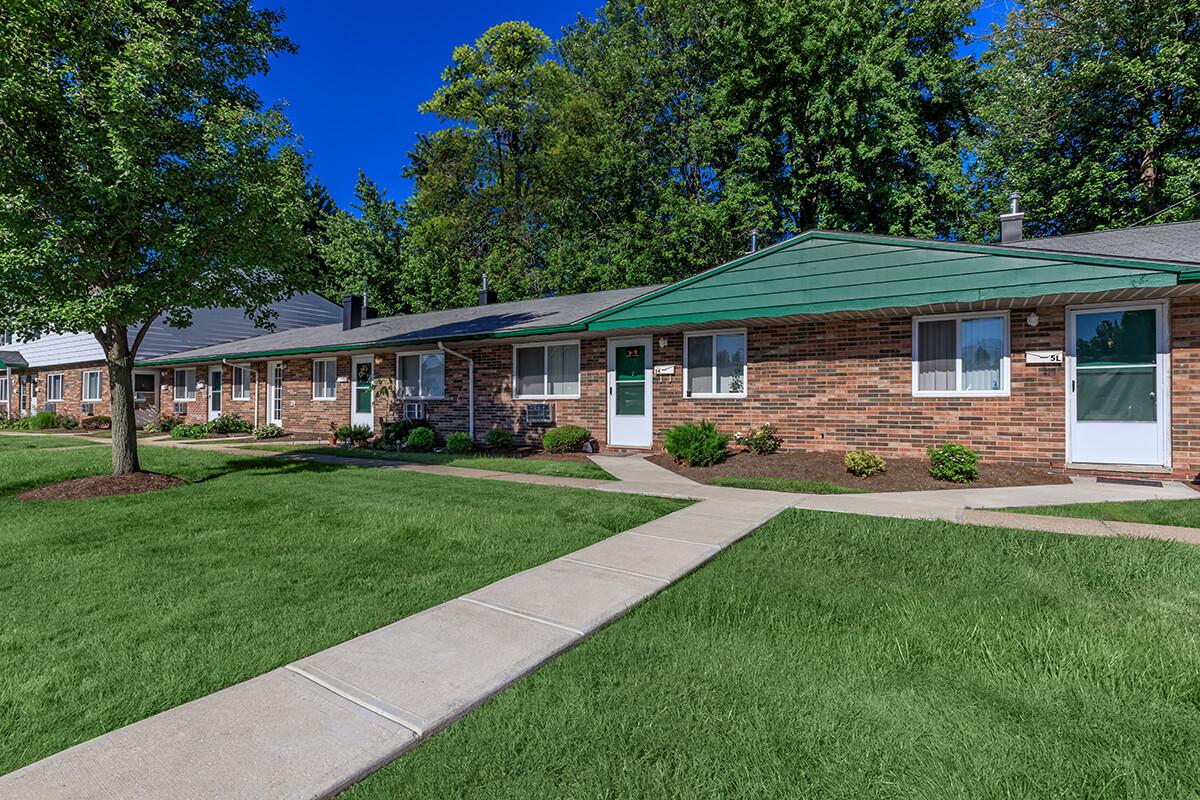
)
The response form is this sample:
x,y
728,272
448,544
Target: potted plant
x,y
333,434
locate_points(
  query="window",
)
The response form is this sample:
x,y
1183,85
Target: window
x,y
3,388
421,375
714,364
241,383
961,355
92,386
6,337
54,388
185,385
546,371
325,379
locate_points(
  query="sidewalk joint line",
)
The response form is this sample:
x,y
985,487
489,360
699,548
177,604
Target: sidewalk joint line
x,y
663,581
713,547
523,615
358,701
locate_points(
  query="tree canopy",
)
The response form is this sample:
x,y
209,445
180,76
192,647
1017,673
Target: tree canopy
x,y
140,176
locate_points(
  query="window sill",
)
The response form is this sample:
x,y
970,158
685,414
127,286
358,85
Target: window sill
x,y
324,399
962,395
541,397
713,396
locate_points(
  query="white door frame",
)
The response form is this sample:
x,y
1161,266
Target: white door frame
x,y
1163,370
644,436
216,394
274,393
356,418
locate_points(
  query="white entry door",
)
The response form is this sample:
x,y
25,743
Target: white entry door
x,y
630,392
362,410
275,393
1118,361
214,393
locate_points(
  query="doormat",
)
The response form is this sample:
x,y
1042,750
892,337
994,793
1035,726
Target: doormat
x,y
1130,482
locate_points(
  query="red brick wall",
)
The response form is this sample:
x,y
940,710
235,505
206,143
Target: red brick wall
x,y
827,385
72,398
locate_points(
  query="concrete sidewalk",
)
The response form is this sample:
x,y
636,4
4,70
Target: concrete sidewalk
x,y
312,728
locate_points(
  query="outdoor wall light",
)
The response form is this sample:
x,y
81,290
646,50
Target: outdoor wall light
x,y
1032,320
662,342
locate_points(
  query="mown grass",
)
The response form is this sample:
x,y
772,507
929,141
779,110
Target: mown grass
x,y
834,656
784,485
531,464
1183,513
41,442
117,608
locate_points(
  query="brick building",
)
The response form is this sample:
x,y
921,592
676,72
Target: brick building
x,y
1079,352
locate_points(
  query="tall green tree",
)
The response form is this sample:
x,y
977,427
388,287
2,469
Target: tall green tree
x,y
140,176
363,251
1092,113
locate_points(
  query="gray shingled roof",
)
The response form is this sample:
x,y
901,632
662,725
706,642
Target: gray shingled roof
x,y
456,323
1173,241
12,359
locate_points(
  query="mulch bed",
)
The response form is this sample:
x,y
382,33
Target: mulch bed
x,y
103,486
903,474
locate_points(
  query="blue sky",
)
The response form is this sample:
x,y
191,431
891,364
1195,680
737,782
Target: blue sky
x,y
365,65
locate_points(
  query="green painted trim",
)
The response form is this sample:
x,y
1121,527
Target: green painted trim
x,y
858,238
376,345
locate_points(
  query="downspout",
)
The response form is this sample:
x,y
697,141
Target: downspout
x,y
470,387
254,375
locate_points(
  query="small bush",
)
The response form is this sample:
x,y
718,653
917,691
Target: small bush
x,y
566,439
271,431
420,439
165,423
953,462
394,433
43,420
864,463
99,422
193,431
67,422
696,444
230,423
354,434
459,443
760,441
499,438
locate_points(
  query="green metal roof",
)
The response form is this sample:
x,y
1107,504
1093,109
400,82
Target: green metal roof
x,y
821,272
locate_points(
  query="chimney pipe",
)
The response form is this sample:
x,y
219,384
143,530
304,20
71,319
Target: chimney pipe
x,y
1011,224
754,240
486,296
352,312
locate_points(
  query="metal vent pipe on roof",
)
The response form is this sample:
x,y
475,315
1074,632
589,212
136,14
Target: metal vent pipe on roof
x,y
1012,223
487,297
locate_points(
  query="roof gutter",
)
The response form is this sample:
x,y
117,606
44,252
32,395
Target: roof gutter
x,y
470,387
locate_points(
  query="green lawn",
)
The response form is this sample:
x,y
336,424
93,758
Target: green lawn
x,y
1183,513
532,465
41,442
833,656
785,485
117,608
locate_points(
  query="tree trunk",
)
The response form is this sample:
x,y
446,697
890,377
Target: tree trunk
x,y
120,393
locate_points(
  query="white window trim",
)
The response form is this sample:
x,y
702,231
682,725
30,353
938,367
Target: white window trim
x,y
6,395
83,389
315,398
420,377
62,387
233,382
546,369
1005,360
687,336
175,386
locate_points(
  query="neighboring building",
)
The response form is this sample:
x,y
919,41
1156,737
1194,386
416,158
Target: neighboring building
x,y
1028,352
66,372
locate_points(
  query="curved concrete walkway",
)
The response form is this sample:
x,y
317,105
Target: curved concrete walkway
x,y
313,727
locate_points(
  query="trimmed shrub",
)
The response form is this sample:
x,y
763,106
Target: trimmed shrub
x,y
41,421
500,438
566,439
354,434
194,431
864,463
459,443
760,441
394,433
953,462
696,444
164,423
420,439
67,422
99,422
271,431
230,423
